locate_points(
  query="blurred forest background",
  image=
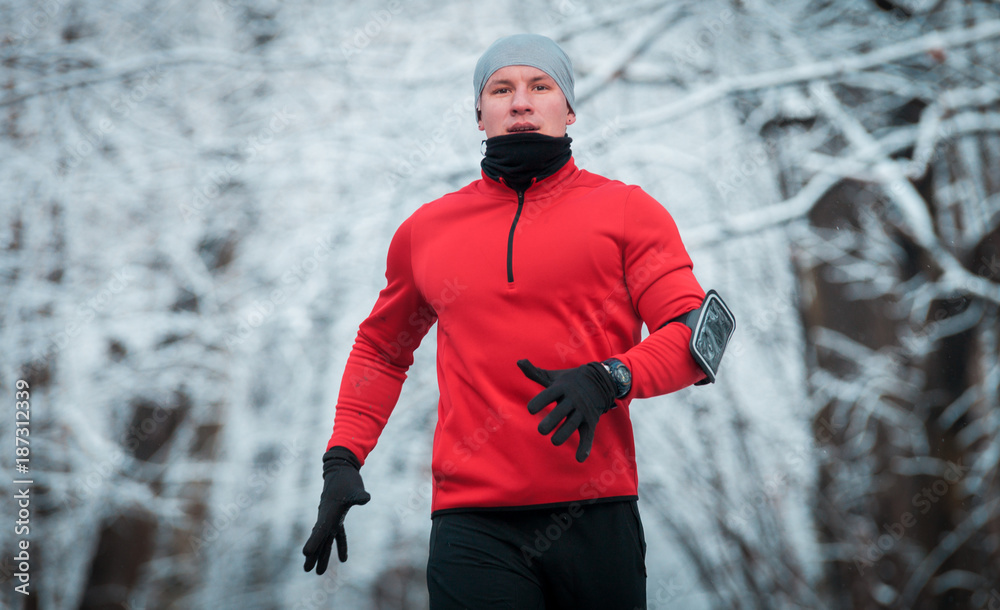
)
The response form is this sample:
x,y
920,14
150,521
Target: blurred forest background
x,y
196,198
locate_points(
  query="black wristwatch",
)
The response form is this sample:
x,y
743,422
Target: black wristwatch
x,y
621,376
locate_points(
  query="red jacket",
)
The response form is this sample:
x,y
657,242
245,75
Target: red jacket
x,y
563,277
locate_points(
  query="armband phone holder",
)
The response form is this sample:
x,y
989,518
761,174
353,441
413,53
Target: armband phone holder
x,y
712,325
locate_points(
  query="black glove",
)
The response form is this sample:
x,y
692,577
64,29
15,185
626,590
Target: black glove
x,y
581,395
342,489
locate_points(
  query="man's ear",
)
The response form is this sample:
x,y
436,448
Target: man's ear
x,y
571,117
479,119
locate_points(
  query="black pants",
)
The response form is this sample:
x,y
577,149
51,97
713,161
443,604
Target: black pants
x,y
575,557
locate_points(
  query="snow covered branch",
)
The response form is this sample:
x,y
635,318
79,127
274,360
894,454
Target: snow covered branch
x,y
215,58
653,26
818,70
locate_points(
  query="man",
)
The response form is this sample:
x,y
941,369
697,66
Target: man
x,y
539,276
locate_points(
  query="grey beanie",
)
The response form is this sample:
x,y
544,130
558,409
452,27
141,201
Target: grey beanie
x,y
532,50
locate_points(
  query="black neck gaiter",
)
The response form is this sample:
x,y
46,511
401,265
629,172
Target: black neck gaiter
x,y
519,157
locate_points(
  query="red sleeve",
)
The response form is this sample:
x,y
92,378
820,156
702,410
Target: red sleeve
x,y
382,353
662,286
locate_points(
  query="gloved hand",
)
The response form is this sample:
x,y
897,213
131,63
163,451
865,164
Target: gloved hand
x,y
342,489
581,395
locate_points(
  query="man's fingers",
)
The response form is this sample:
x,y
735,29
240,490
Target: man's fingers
x,y
312,547
317,551
532,372
542,400
310,561
567,429
586,442
320,545
324,556
359,499
342,544
552,420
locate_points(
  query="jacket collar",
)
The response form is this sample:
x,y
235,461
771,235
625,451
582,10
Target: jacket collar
x,y
546,187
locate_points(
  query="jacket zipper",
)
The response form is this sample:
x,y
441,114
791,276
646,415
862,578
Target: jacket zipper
x,y
510,238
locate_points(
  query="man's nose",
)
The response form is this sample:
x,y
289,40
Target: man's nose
x,y
521,102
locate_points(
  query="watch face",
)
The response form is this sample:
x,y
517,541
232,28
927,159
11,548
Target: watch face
x,y
621,376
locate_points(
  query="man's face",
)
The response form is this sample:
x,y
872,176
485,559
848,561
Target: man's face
x,y
523,99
